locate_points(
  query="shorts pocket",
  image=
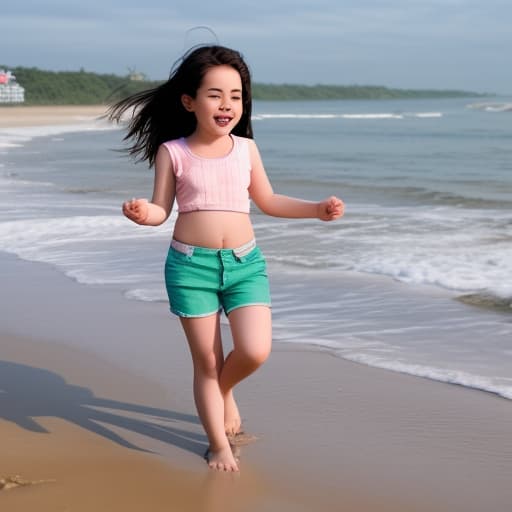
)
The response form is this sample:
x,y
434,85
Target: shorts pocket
x,y
251,257
178,256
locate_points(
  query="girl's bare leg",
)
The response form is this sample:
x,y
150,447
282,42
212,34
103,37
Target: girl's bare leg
x,y
203,335
232,419
251,329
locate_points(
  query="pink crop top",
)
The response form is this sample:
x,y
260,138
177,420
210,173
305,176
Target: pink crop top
x,y
211,183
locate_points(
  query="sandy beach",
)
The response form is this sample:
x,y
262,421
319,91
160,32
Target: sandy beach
x,y
96,413
17,116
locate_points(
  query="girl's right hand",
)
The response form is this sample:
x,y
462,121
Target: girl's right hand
x,y
136,210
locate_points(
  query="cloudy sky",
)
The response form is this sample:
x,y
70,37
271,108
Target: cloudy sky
x,y
462,44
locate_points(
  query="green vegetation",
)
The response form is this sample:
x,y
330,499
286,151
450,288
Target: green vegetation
x,y
348,92
86,88
74,87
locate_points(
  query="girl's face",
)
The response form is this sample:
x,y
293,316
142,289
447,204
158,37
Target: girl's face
x,y
218,103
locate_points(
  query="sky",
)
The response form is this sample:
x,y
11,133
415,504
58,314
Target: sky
x,y
440,44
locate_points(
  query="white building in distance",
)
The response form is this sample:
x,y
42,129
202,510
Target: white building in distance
x,y
10,90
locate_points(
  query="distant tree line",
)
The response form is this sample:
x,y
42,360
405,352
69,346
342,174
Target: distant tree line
x,y
75,87
348,92
86,88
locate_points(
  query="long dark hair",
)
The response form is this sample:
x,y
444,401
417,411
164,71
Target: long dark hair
x,y
157,115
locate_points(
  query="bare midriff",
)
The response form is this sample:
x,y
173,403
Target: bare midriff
x,y
213,229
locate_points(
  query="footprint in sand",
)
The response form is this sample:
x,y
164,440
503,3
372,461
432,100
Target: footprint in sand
x,y
11,482
241,439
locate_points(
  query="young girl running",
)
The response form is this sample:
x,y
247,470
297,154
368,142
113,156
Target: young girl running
x,y
195,130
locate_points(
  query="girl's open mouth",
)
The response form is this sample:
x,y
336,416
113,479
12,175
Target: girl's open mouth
x,y
223,120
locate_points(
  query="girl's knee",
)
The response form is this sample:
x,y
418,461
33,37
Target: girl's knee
x,y
207,364
256,354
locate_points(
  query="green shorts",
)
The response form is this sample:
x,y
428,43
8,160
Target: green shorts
x,y
202,281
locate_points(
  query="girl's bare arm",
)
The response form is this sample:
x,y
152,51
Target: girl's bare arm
x,y
158,210
278,205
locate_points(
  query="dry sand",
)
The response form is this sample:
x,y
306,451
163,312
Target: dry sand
x,y
96,409
18,116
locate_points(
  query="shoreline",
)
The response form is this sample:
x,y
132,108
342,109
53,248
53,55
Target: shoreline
x,y
373,439
47,115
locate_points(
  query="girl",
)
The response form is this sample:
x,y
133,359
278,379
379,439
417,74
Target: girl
x,y
196,131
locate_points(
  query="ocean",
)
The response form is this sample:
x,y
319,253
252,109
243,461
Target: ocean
x,y
416,278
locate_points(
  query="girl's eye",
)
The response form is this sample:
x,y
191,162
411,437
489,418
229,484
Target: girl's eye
x,y
236,98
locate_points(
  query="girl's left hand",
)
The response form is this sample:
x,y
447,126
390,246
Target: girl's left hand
x,y
331,208
136,210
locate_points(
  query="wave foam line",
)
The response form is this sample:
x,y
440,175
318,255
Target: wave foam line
x,y
19,136
491,107
456,377
381,115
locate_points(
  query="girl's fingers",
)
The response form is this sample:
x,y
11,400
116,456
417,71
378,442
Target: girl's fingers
x,y
131,209
136,210
333,208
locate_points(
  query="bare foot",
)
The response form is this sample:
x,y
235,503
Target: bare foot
x,y
232,420
221,460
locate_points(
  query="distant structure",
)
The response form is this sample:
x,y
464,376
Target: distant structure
x,y
10,90
136,76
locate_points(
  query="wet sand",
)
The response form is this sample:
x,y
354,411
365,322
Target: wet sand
x,y
96,397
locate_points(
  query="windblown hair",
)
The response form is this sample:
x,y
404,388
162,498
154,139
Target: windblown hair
x,y
158,115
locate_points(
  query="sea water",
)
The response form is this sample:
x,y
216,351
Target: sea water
x,y
427,232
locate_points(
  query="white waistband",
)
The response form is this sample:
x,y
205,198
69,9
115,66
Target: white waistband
x,y
187,249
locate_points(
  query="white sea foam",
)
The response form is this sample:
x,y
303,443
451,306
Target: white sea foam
x,y
361,115
5,143
463,270
456,249
19,136
437,338
469,380
420,255
30,236
492,107
426,114
147,294
296,116
372,116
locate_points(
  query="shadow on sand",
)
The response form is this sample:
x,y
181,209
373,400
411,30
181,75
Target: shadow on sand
x,y
27,393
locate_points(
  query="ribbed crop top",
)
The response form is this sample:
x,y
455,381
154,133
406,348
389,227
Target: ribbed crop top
x,y
211,183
